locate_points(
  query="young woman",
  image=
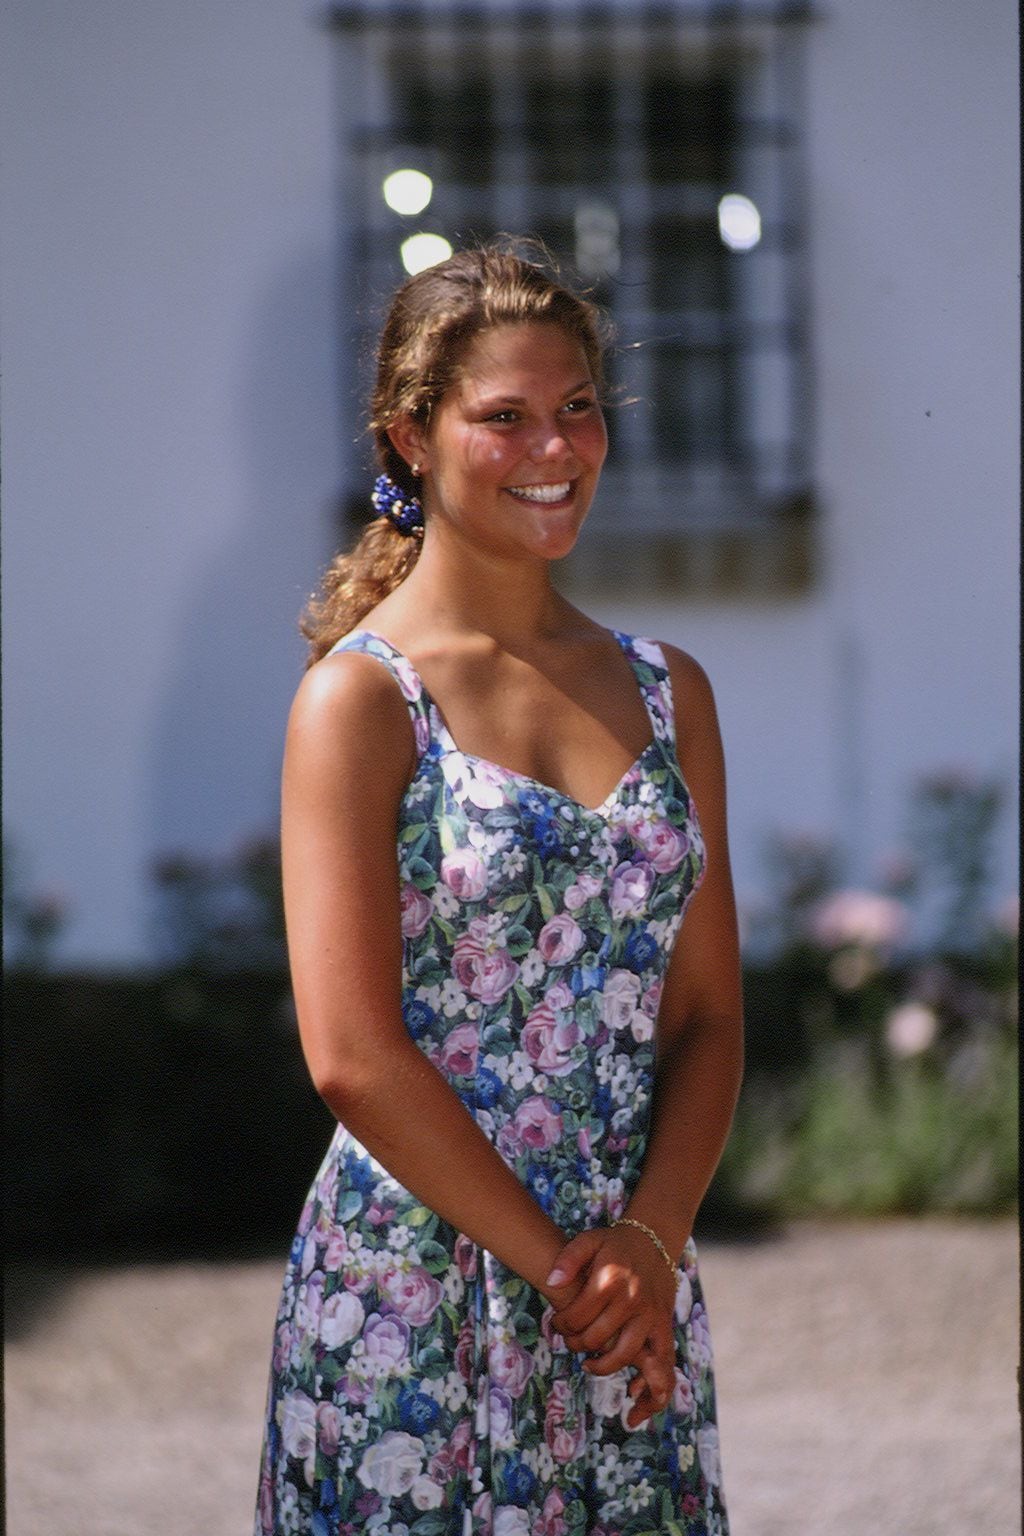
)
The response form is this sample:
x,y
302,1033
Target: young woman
x,y
492,1319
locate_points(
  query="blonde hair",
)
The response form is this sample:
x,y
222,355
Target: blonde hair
x,y
432,320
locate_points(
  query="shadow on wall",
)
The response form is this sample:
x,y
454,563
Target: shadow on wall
x,y
218,728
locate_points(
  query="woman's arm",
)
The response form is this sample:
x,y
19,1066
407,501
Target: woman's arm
x,y
697,1076
349,756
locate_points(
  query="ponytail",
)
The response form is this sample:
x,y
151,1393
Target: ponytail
x,y
356,582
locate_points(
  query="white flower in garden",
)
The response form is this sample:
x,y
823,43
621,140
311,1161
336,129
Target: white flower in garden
x,y
860,917
911,1029
684,1456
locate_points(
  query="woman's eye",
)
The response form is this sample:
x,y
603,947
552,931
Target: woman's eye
x,y
503,416
577,407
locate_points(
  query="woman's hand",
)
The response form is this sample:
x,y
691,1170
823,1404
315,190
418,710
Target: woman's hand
x,y
622,1311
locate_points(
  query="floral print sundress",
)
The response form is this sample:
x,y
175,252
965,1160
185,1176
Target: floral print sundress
x,y
417,1386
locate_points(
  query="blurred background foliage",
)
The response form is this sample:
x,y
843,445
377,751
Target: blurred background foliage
x,y
172,1113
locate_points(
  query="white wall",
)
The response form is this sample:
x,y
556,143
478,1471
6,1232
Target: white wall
x,y
905,658
171,418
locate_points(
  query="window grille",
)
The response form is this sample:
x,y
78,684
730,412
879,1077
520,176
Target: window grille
x,y
614,131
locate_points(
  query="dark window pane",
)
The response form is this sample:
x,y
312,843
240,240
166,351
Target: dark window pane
x,y
568,129
455,120
688,265
692,397
689,127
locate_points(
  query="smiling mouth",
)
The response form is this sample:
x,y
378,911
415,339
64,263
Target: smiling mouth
x,y
543,495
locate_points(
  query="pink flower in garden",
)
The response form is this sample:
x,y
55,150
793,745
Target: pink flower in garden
x,y
560,939
416,910
860,917
482,966
413,1293
564,1429
911,1028
537,1123
631,886
551,1031
509,1366
465,874
459,1050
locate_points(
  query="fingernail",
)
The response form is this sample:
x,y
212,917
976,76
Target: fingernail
x,y
557,1277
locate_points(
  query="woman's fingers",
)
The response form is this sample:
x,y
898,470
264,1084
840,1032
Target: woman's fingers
x,y
599,1333
573,1259
628,1348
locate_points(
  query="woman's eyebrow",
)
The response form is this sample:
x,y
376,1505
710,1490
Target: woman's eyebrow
x,y
521,399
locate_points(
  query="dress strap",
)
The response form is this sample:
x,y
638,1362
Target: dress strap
x,y
367,643
650,668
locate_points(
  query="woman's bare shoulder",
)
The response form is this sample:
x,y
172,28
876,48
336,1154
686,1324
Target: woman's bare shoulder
x,y
348,705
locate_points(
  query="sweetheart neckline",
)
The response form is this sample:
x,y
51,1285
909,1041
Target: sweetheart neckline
x,y
452,750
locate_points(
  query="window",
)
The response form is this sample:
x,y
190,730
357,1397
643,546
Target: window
x,y
656,150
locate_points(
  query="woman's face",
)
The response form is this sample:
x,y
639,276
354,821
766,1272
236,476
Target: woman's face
x,y
515,448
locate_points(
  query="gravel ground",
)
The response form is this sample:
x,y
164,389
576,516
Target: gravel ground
x,y
866,1378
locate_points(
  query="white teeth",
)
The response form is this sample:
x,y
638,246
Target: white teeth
x,y
542,492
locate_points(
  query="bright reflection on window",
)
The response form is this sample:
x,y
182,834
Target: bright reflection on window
x,y
739,222
422,251
407,191
597,240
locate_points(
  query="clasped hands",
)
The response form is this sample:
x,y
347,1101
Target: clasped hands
x,y
613,1298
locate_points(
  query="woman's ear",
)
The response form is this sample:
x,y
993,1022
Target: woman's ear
x,y
408,439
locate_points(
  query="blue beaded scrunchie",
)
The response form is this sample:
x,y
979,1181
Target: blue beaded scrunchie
x,y
405,511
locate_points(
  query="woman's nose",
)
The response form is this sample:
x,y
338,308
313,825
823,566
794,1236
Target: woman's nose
x,y
551,442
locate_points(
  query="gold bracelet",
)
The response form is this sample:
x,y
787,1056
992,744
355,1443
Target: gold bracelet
x,y
641,1226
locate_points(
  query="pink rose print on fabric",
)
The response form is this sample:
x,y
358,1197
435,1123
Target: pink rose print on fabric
x,y
564,1428
459,1051
551,1032
560,939
465,874
509,1366
481,966
552,1517
631,886
414,1294
537,1123
416,910
665,845
580,892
